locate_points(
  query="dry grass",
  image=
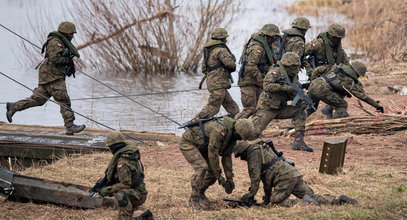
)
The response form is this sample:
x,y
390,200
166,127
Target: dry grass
x,y
378,31
382,194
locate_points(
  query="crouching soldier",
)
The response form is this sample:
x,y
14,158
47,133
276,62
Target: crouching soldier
x,y
340,81
125,177
202,145
280,179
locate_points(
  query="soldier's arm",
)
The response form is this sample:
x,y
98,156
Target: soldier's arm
x,y
357,90
311,48
227,166
346,58
124,174
254,165
271,84
254,56
226,58
54,50
215,143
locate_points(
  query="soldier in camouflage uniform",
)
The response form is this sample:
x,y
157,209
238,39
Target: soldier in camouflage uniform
x,y
259,54
293,39
273,100
280,179
326,50
125,177
332,87
202,146
217,65
58,57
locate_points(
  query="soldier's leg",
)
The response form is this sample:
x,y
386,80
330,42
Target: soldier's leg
x,y
299,117
282,191
230,105
38,98
263,115
208,181
216,98
60,94
335,102
129,200
249,101
198,163
314,99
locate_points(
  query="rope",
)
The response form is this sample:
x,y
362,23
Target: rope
x,y
123,95
62,106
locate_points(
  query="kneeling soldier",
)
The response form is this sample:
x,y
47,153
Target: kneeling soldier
x,y
202,146
125,177
264,164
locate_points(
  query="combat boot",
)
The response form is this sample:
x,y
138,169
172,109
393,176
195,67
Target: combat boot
x,y
345,199
193,202
146,215
11,109
309,200
74,129
204,202
299,143
327,112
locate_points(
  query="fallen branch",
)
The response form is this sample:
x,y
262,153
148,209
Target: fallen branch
x,y
160,14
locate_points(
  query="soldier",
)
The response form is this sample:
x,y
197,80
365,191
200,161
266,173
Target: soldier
x,y
125,177
294,39
340,81
202,146
57,64
264,165
326,50
218,64
258,55
273,100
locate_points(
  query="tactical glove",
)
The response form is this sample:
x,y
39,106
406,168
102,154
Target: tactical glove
x,y
380,109
104,192
229,186
248,199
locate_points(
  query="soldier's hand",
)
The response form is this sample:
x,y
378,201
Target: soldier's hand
x,y
229,186
221,180
247,199
104,192
380,109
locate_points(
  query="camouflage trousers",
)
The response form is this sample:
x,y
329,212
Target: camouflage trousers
x,y
299,188
57,90
218,98
266,113
321,92
193,146
134,199
249,96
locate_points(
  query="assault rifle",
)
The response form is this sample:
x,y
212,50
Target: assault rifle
x,y
202,121
102,182
70,67
243,63
300,93
241,203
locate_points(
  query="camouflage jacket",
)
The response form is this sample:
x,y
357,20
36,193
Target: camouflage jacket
x,y
125,171
274,93
341,80
219,141
218,63
257,63
324,52
53,66
258,156
294,41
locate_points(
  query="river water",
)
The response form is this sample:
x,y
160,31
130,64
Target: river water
x,y
121,113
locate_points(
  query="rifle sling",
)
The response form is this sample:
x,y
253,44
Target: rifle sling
x,y
206,138
333,87
271,163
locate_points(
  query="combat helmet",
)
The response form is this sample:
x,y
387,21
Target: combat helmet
x,y
302,23
67,27
270,30
244,128
336,30
240,147
359,68
290,59
114,137
219,33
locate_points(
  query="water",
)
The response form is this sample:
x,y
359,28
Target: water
x,y
121,113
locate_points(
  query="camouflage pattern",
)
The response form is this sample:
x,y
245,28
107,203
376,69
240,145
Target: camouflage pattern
x,y
336,30
127,170
294,41
67,27
203,152
359,68
114,137
279,180
249,97
218,98
319,89
273,101
57,90
219,33
317,48
301,23
270,30
218,80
